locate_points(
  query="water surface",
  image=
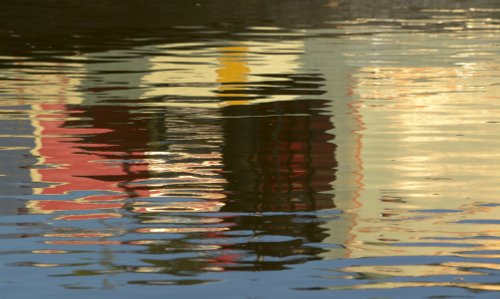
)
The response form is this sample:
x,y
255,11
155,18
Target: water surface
x,y
243,149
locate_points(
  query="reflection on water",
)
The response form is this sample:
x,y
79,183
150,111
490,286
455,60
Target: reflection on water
x,y
352,155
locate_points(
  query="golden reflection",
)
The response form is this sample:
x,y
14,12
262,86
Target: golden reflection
x,y
426,115
409,107
474,265
195,206
393,285
412,270
473,254
232,74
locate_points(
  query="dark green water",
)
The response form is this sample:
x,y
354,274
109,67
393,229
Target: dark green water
x,y
250,149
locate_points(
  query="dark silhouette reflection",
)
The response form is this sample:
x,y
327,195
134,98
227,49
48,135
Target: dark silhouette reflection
x,y
93,25
41,29
278,157
278,163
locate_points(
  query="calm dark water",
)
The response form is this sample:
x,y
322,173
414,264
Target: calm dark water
x,y
250,149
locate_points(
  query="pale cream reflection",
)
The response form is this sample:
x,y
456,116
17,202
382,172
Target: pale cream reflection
x,y
411,270
220,71
392,285
430,154
429,169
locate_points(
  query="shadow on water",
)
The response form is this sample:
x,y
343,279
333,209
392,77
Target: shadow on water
x,y
56,29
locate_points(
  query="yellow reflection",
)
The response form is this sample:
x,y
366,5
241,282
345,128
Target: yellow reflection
x,y
232,73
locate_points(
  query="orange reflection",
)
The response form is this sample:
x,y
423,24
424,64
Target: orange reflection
x,y
233,73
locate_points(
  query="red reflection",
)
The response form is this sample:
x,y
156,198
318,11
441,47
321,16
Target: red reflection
x,y
79,165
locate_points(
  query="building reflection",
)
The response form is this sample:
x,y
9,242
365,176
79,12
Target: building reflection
x,y
276,156
256,143
232,166
227,155
414,193
93,149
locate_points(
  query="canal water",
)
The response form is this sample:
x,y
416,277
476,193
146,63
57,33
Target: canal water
x,y
250,149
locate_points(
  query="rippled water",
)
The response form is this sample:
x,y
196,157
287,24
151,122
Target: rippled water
x,y
243,149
